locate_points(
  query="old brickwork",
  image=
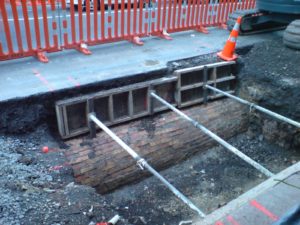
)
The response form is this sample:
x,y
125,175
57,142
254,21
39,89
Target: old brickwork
x,y
163,140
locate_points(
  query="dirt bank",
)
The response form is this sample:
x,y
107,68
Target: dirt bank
x,y
270,76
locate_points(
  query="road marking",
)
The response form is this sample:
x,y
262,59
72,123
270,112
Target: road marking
x,y
43,80
264,210
232,220
73,81
219,223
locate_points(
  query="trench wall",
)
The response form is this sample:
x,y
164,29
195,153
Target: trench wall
x,y
163,140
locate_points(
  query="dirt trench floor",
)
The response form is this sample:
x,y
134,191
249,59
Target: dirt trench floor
x,y
209,179
38,188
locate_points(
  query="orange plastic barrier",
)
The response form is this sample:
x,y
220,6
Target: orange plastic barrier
x,y
33,27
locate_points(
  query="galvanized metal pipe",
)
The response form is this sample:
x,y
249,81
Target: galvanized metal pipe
x,y
252,105
143,164
215,137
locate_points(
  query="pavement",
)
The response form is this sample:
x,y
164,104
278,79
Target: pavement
x,y
264,204
26,77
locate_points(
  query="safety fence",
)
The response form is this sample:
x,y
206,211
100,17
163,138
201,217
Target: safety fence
x,y
33,27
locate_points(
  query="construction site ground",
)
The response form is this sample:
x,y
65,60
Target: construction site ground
x,y
39,188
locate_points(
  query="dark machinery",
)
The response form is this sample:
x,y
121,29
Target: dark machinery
x,y
269,15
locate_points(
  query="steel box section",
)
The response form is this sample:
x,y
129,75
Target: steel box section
x,y
191,81
130,102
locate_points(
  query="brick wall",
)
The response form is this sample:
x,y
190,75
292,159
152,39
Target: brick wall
x,y
163,140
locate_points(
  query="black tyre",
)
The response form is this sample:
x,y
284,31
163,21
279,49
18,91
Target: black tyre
x,y
291,36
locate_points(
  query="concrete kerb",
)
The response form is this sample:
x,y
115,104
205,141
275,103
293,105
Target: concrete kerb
x,y
246,197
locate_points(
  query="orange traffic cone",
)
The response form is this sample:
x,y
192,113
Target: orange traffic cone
x,y
228,52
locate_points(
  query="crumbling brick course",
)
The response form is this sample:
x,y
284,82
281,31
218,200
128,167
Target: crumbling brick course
x,y
102,163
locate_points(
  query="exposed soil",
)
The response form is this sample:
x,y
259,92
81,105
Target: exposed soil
x,y
271,77
209,179
38,188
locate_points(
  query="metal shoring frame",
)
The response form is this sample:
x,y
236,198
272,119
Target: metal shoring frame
x,y
216,137
259,108
142,163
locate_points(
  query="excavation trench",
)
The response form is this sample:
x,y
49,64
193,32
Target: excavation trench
x,y
167,139
205,172
209,176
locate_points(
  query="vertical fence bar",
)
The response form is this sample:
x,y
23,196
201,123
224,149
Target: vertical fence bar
x,y
206,12
174,15
64,23
169,15
109,20
247,4
27,25
197,21
235,4
134,16
164,14
208,17
36,24
128,17
96,6
223,2
253,4
250,4
45,24
193,13
88,19
123,18
219,8
188,14
146,17
179,14
159,26
141,10
54,23
17,26
242,5
213,12
231,6
73,25
116,19
152,16
102,9
227,8
202,5
6,28
80,22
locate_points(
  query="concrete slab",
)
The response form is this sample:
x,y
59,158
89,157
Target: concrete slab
x,y
26,77
263,204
